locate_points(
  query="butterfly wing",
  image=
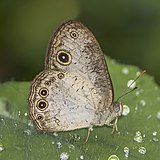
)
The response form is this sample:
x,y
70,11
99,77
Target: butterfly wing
x,y
72,48
75,89
62,101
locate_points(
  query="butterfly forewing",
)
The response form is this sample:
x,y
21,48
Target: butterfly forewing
x,y
87,58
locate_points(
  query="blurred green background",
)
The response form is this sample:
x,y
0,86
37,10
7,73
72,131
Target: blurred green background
x,y
127,30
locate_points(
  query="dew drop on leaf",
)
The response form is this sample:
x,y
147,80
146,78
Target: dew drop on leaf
x,y
19,113
55,134
1,148
59,144
137,93
138,138
142,150
30,123
149,116
143,102
52,142
131,84
64,156
71,146
27,132
125,71
126,151
155,139
113,157
154,133
138,73
81,157
138,133
126,110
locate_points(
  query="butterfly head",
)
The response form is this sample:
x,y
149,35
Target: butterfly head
x,y
117,108
116,111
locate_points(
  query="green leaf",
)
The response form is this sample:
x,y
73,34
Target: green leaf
x,y
19,139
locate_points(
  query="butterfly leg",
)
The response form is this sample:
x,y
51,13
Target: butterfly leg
x,y
89,131
115,127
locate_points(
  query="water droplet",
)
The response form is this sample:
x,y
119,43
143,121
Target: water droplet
x,y
138,133
143,102
81,157
125,71
138,73
76,137
142,150
149,116
1,148
55,134
71,146
30,123
59,145
155,139
52,142
129,84
19,113
126,110
158,115
64,156
126,151
154,133
113,157
25,114
27,132
138,138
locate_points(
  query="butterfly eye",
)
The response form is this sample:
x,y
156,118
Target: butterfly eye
x,y
64,57
43,92
42,104
74,34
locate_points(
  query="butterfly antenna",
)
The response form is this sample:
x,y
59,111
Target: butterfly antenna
x,y
124,92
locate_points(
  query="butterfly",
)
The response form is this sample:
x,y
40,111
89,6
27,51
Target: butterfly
x,y
75,89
